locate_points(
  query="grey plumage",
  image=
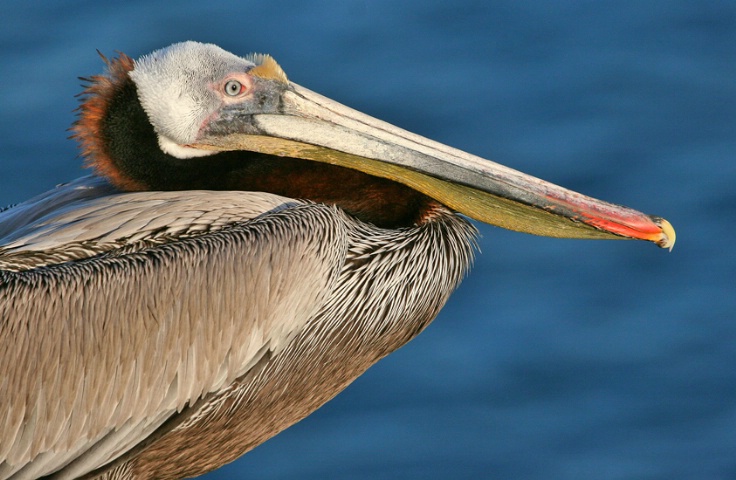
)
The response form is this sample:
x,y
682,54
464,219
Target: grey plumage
x,y
170,330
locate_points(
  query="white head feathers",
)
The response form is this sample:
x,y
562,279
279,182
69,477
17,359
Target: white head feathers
x,y
175,87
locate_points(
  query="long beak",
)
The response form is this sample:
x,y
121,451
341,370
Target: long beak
x,y
309,126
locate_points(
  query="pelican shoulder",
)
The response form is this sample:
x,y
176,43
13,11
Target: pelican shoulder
x,y
89,217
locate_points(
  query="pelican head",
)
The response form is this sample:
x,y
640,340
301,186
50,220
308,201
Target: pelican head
x,y
202,101
183,87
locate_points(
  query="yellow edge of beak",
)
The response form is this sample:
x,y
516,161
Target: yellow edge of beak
x,y
669,235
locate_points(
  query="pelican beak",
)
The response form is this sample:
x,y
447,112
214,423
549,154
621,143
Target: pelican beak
x,y
292,121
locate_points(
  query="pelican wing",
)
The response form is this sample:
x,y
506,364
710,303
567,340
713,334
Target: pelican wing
x,y
119,310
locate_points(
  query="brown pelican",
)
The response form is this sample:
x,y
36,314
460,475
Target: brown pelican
x,y
246,249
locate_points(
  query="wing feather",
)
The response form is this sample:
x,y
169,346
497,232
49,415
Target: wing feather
x,y
98,351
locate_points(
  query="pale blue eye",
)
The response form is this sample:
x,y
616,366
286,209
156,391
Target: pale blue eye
x,y
233,87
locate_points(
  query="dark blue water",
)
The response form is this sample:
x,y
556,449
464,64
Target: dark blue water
x,y
555,359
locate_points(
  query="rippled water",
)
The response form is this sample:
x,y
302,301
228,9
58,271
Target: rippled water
x,y
555,359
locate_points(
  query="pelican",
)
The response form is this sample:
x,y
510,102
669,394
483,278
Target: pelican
x,y
243,251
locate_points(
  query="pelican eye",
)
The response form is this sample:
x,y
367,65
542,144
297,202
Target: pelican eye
x,y
233,88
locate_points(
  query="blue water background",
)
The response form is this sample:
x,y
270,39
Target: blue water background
x,y
556,358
